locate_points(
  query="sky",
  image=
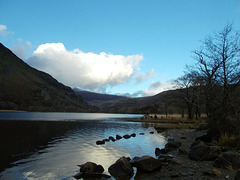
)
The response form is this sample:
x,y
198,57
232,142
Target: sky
x,y
130,47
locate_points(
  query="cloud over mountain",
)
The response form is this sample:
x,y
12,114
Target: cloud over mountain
x,y
3,30
86,70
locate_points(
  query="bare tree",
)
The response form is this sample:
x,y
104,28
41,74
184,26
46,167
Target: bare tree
x,y
218,69
189,88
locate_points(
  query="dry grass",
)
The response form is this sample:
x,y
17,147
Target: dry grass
x,y
176,126
229,140
217,172
173,118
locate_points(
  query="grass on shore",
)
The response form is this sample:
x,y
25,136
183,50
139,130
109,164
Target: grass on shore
x,y
172,118
173,121
176,126
232,140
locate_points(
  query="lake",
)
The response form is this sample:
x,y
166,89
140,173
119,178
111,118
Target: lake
x,y
51,145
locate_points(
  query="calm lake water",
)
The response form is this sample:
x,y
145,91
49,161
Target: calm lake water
x,y
51,145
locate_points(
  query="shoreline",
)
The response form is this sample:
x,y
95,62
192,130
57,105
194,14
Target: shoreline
x,y
184,167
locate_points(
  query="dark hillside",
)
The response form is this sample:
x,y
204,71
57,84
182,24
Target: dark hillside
x,y
25,88
92,96
152,104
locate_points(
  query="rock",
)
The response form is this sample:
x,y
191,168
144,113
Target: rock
x,y
172,144
100,142
91,167
237,177
151,132
202,152
132,161
90,176
128,158
209,173
205,137
165,157
121,168
162,151
160,130
157,152
194,144
147,164
141,133
106,140
112,138
228,160
182,151
118,137
233,158
220,162
126,136
174,175
202,126
133,135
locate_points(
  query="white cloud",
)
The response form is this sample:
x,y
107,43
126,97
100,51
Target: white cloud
x,y
22,48
157,87
154,88
140,76
86,70
3,30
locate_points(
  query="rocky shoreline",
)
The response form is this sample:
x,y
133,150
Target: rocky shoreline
x,y
184,157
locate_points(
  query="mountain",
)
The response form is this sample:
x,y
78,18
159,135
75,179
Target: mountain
x,y
25,88
121,104
97,98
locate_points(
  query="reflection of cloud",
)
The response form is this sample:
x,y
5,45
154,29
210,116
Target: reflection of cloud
x,y
86,70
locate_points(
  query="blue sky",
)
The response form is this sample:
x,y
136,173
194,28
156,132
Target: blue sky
x,y
112,46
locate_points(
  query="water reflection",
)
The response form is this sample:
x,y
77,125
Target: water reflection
x,y
51,150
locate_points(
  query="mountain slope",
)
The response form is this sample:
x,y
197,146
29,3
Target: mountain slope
x,y
97,99
120,104
25,88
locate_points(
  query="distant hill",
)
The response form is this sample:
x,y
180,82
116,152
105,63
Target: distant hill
x,y
122,104
25,88
92,97
143,105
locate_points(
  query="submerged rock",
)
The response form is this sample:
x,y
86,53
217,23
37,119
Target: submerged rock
x,y
133,135
106,140
126,136
118,137
100,142
112,138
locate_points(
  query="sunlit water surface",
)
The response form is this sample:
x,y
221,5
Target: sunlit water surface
x,y
51,145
